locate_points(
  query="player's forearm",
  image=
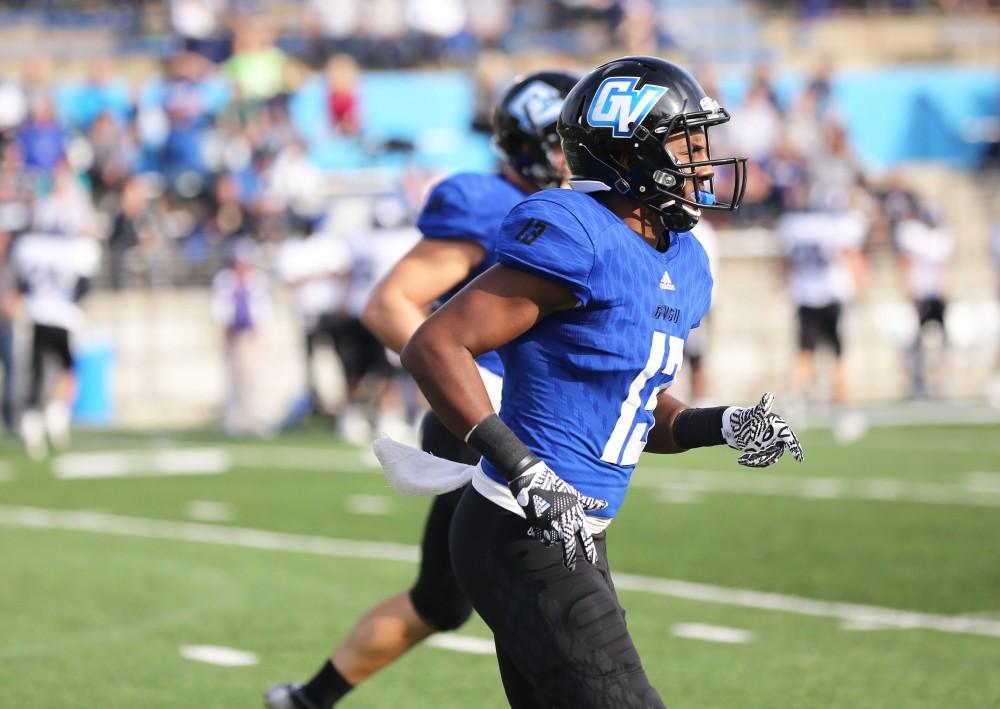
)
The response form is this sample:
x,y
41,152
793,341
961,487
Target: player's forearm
x,y
661,437
446,372
392,318
679,428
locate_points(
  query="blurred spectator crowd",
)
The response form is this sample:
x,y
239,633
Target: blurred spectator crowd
x,y
200,172
171,172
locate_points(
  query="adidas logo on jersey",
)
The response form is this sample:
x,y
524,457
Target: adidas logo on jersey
x,y
666,283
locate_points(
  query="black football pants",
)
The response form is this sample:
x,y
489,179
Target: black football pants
x,y
436,596
560,635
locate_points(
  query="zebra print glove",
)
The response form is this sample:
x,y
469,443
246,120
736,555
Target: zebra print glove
x,y
555,511
760,435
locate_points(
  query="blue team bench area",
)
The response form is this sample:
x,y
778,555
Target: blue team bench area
x,y
425,117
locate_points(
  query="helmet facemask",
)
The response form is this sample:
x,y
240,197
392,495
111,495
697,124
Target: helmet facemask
x,y
655,176
537,161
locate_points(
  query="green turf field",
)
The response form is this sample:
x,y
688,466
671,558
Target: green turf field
x,y
867,577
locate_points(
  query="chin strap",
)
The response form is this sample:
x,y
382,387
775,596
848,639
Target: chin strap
x,y
678,221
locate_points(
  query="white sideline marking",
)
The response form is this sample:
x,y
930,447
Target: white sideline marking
x,y
936,446
712,633
852,612
39,518
680,496
376,505
672,480
210,511
862,625
116,464
84,521
982,481
216,655
304,458
462,643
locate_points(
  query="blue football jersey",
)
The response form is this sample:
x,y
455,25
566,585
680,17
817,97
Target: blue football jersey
x,y
470,206
581,384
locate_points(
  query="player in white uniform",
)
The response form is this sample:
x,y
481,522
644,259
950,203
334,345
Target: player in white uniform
x,y
369,371
925,249
697,342
316,267
823,265
53,272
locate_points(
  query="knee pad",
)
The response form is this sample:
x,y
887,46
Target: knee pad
x,y
441,611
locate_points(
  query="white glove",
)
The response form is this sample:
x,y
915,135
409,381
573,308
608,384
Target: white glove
x,y
760,435
555,511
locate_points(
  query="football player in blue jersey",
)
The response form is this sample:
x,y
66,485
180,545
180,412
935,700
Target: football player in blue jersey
x,y
459,223
594,292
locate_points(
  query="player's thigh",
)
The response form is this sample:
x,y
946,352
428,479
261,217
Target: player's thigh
x,y
374,354
521,694
436,595
63,349
347,343
830,327
930,310
563,630
808,328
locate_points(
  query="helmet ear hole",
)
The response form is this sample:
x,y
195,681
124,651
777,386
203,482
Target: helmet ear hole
x,y
626,160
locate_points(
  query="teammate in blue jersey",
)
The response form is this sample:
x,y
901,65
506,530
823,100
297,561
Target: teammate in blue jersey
x,y
594,292
459,224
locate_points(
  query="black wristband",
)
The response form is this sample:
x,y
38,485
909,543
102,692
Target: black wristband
x,y
697,428
501,447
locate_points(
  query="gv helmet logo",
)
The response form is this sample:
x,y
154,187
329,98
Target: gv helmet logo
x,y
617,104
536,106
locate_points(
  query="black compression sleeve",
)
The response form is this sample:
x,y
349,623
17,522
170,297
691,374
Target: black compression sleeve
x,y
696,428
501,446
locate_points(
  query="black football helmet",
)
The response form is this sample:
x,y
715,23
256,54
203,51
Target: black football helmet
x,y
614,126
524,124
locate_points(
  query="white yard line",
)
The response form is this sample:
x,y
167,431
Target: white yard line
x,y
676,486
982,481
217,655
847,612
210,511
182,460
305,458
83,521
711,633
935,445
462,643
375,505
139,463
881,489
38,518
